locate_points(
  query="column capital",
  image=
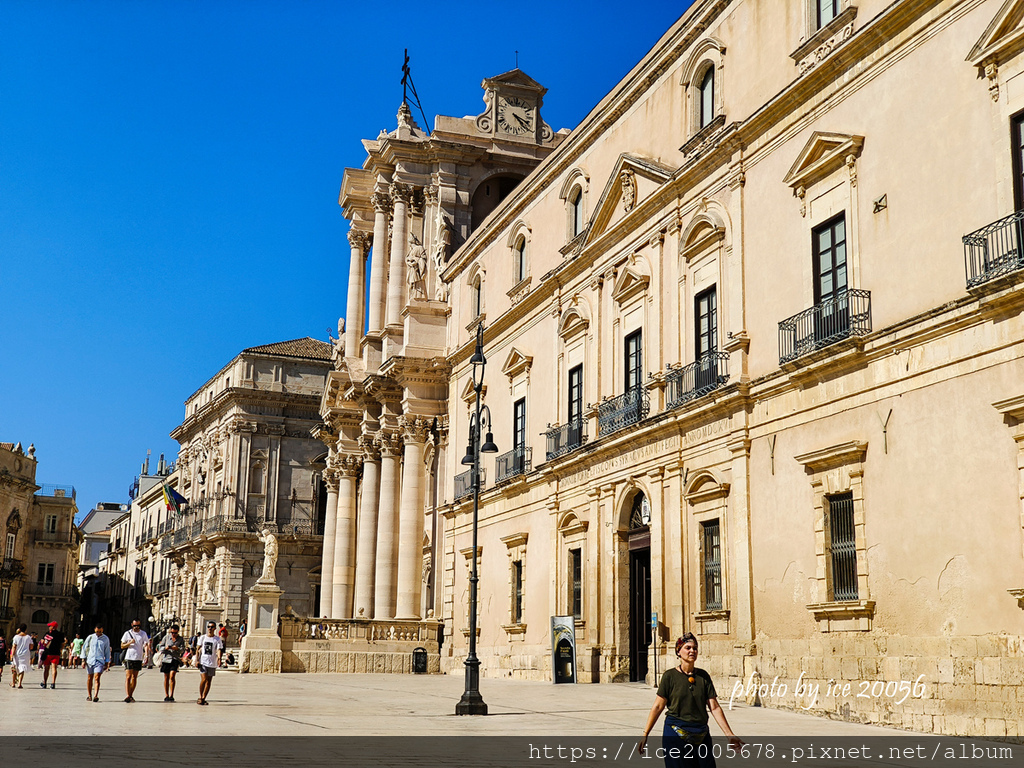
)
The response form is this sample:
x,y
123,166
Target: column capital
x,y
415,428
400,193
389,444
349,465
330,478
381,202
357,239
370,450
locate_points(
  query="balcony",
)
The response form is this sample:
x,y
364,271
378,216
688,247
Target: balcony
x,y
995,250
565,439
696,379
57,491
57,538
8,613
38,589
824,324
464,483
161,587
11,568
619,412
516,462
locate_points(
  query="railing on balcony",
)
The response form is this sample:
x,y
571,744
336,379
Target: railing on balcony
x,y
846,315
696,379
51,590
994,250
7,612
564,439
11,567
621,411
518,461
161,587
464,483
57,491
53,537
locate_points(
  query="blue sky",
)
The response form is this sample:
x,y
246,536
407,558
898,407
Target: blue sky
x,y
169,175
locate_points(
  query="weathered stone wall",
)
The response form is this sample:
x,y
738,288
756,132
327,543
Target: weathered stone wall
x,y
398,663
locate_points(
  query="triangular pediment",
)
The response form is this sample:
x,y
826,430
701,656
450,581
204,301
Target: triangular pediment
x,y
628,284
1003,36
469,393
822,154
514,77
632,181
516,363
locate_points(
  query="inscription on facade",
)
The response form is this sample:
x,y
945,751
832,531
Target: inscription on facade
x,y
635,455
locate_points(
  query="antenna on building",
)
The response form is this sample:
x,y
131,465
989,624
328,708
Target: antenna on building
x,y
517,59
408,85
162,466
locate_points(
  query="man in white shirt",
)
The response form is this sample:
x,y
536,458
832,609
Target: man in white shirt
x,y
96,653
21,656
136,647
210,649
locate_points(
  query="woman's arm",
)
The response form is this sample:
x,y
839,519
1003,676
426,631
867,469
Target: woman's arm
x,y
719,715
652,718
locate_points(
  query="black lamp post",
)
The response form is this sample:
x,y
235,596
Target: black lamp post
x,y
472,703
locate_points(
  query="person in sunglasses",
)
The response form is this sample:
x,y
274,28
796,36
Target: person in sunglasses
x,y
211,647
136,646
172,647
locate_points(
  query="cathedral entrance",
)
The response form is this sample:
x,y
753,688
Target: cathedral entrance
x,y
639,542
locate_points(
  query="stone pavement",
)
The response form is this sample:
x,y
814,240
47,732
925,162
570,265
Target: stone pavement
x,y
359,705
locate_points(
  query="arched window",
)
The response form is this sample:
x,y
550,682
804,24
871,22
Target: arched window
x,y
478,296
40,617
575,212
706,91
520,251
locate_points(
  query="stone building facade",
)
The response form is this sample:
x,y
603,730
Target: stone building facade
x,y
755,342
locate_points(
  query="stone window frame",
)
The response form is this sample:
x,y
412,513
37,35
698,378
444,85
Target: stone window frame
x,y
516,545
577,179
708,499
707,53
1012,410
572,534
833,470
476,283
467,552
520,233
818,42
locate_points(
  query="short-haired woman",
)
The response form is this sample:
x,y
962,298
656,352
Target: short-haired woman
x,y
688,693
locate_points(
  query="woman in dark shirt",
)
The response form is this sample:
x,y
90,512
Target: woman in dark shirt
x,y
688,693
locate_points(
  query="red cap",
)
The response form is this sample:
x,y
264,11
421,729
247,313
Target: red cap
x,y
52,624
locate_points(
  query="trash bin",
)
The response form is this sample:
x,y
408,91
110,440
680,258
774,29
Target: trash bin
x,y
419,661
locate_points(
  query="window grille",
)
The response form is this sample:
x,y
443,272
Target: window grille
x,y
712,565
843,545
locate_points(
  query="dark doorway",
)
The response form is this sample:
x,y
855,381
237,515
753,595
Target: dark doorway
x,y
639,612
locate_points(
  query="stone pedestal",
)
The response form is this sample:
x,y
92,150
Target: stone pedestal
x,y
207,613
425,323
261,647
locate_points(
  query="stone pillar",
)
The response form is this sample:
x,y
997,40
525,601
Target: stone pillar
x,y
410,537
384,592
400,194
366,543
356,288
330,479
344,538
378,257
261,646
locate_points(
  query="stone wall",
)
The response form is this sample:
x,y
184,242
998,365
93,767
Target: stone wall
x,y
380,662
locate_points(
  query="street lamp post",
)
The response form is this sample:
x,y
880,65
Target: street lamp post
x,y
472,703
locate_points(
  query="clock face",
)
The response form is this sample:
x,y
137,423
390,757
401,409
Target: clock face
x,y
515,116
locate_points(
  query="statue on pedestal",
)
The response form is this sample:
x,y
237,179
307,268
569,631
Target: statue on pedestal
x,y
269,557
211,583
416,267
442,238
338,353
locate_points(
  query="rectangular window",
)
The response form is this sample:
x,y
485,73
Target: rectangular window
x,y
44,575
9,546
1017,144
576,583
634,361
827,10
832,320
517,592
575,412
843,541
712,556
5,597
705,312
519,424
51,524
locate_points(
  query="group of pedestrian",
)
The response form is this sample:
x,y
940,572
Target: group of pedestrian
x,y
94,651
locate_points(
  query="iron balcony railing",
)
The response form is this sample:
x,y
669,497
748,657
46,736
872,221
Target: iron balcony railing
x,y
166,542
516,462
464,483
51,590
565,439
994,250
832,320
10,568
696,379
161,587
621,411
57,491
53,537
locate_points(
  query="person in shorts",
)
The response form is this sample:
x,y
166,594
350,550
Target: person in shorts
x,y
54,641
76,651
172,647
210,649
22,645
96,656
136,646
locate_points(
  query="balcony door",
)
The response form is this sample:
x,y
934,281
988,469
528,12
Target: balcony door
x,y
705,313
519,435
832,319
575,411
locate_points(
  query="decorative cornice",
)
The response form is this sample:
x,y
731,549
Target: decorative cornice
x,y
850,452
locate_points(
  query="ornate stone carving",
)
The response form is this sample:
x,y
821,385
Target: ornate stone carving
x,y
992,73
369,447
338,353
388,443
349,465
270,550
357,239
381,202
816,56
416,268
400,192
442,239
628,180
415,428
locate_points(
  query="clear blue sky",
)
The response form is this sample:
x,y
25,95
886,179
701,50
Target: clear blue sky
x,y
169,175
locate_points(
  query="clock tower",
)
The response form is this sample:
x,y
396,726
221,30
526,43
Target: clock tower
x,y
513,102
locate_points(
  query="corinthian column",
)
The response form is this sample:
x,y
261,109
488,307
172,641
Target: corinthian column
x,y
400,194
356,287
366,543
410,537
378,277
330,478
344,538
390,446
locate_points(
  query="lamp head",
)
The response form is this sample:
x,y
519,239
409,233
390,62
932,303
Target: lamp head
x,y
468,458
489,446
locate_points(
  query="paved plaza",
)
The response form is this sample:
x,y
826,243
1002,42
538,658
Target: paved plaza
x,y
358,705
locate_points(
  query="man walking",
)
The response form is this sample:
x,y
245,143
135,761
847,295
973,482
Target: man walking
x,y
96,654
172,647
54,640
211,648
136,646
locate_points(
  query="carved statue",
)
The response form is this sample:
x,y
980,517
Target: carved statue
x,y
628,180
338,353
269,556
211,584
442,238
416,267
